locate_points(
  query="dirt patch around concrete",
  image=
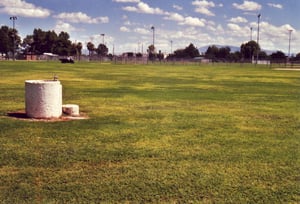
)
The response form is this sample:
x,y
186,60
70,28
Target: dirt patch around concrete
x,y
21,115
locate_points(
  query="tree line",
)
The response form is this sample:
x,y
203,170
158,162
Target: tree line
x,y
40,42
249,51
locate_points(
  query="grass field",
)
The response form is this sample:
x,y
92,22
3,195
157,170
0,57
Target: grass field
x,y
155,134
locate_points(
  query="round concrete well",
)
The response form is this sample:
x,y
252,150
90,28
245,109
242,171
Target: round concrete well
x,y
43,98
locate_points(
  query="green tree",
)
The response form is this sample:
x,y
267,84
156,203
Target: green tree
x,y
49,41
223,53
297,57
7,38
102,50
179,53
38,45
278,56
64,45
43,41
50,44
249,49
160,56
188,53
191,51
212,52
91,48
151,52
73,50
235,57
27,44
263,55
79,50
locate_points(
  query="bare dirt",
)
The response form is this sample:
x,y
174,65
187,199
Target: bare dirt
x,y
21,115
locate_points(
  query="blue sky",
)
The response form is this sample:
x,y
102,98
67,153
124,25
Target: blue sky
x,y
127,23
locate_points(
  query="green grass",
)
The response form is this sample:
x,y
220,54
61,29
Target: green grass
x,y
156,134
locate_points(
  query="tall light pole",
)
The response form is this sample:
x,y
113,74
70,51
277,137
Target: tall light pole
x,y
14,18
153,29
251,29
258,19
171,46
290,34
103,38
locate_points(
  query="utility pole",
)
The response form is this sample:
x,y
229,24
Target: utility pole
x,y
258,19
153,29
14,18
290,34
103,38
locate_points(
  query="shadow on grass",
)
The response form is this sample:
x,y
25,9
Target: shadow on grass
x,y
18,115
21,115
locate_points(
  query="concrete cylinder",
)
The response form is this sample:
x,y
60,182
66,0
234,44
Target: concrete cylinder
x,y
43,99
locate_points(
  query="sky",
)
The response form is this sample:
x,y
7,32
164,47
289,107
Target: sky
x,y
126,24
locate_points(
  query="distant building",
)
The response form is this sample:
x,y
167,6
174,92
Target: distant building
x,y
48,56
31,57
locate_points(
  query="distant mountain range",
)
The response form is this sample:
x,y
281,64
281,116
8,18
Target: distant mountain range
x,y
232,48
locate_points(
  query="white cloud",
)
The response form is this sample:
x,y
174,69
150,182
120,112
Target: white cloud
x,y
216,29
274,32
147,9
279,6
203,3
205,11
124,29
179,37
130,9
189,20
22,8
274,37
238,20
182,38
143,8
234,30
80,17
62,26
247,6
174,17
193,21
203,7
234,27
177,7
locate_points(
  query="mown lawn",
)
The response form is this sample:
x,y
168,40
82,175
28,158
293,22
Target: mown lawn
x,y
155,134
